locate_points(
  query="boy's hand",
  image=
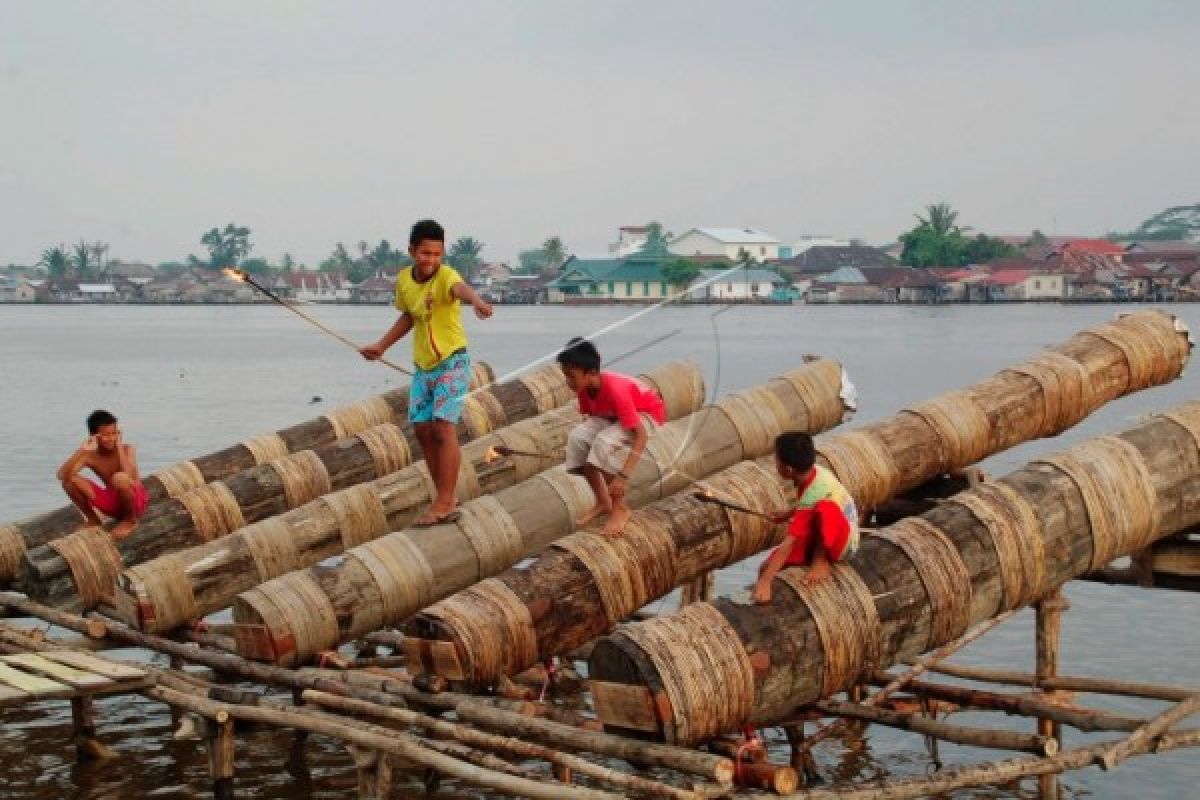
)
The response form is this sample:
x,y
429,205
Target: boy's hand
x,y
90,445
762,593
483,309
371,352
780,517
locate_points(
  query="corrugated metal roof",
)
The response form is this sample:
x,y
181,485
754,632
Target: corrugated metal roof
x,y
737,235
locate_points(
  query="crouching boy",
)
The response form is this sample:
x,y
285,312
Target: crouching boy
x,y
605,448
823,527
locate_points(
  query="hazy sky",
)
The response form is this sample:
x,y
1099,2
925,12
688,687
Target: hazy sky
x,y
145,123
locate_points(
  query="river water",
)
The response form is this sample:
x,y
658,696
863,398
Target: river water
x,y
192,379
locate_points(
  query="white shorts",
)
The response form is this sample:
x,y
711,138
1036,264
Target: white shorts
x,y
602,443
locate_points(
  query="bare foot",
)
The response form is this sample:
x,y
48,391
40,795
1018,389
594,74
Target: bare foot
x,y
591,515
616,523
122,529
437,517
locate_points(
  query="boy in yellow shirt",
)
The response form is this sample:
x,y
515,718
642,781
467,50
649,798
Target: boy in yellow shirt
x,y
428,296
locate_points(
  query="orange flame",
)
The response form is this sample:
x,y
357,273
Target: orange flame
x,y
234,274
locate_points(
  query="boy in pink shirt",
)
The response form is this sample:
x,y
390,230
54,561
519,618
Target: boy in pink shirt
x,y
606,447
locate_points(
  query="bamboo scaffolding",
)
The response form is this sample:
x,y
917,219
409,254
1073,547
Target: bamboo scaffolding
x,y
78,571
388,580
1088,505
585,585
18,536
175,588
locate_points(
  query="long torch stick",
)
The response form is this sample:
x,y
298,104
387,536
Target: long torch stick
x,y
244,277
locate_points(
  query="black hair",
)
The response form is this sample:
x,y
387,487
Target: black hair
x,y
98,419
426,229
796,450
580,353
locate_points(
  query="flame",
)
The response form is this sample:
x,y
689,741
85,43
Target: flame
x,y
709,494
234,274
491,455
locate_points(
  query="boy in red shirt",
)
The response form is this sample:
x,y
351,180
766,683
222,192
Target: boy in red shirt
x,y
824,524
606,447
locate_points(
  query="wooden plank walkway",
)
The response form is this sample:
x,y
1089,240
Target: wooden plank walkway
x,y
29,677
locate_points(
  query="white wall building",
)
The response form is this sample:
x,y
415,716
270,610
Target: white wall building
x,y
1044,286
805,242
630,239
728,243
742,284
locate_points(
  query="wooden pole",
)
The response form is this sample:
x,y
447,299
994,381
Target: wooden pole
x,y
997,772
221,757
1120,751
1069,683
1084,719
390,579
582,587
802,646
1048,629
83,723
960,734
212,512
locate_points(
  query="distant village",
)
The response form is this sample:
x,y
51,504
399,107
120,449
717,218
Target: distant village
x,y
701,265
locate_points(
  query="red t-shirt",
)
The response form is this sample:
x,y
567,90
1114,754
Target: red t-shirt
x,y
622,398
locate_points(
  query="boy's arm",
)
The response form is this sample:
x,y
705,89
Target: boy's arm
x,y
398,331
770,568
77,461
127,460
621,483
463,291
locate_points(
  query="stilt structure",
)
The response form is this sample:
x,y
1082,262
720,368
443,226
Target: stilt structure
x,y
178,587
586,584
78,571
388,408
291,619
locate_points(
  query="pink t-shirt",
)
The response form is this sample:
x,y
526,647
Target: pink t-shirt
x,y
622,398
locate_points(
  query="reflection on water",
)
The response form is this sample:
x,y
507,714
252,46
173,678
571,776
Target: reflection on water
x,y
189,380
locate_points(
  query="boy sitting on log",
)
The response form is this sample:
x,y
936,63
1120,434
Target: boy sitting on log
x,y
121,495
824,524
606,447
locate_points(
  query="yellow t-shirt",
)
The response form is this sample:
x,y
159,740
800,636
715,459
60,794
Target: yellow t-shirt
x,y
437,320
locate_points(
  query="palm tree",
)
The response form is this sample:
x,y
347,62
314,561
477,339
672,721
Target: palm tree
x,y
56,261
555,252
941,218
81,260
464,255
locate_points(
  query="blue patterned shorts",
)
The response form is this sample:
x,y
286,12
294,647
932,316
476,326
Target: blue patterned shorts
x,y
438,394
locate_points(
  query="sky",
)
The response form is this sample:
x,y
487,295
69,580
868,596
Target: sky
x,y
144,124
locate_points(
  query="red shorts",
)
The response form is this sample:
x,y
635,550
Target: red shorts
x,y
826,523
107,500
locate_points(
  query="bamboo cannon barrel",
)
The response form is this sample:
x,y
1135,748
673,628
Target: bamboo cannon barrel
x,y
291,619
175,588
911,586
340,423
77,571
584,585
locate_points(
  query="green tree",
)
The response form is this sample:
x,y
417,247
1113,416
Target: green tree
x,y
531,262
339,260
1037,239
287,264
56,261
82,261
656,241
937,241
679,272
226,248
256,266
554,253
464,256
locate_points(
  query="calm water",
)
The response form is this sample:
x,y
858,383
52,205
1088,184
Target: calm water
x,y
189,380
